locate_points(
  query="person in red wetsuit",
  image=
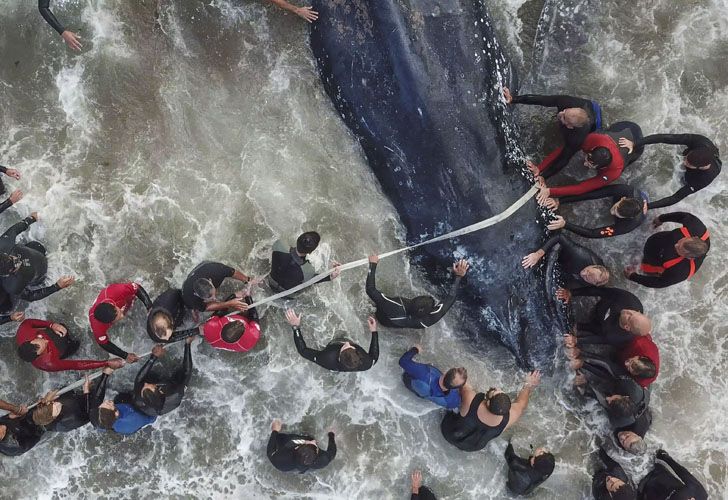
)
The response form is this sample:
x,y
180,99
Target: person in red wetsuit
x,y
47,345
236,332
641,358
112,304
670,257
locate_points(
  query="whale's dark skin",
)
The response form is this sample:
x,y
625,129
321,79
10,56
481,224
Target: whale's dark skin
x,y
417,83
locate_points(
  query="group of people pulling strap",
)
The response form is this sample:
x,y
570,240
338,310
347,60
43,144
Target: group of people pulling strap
x,y
612,353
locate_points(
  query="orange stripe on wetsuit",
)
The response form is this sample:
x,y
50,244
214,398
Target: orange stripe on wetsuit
x,y
649,268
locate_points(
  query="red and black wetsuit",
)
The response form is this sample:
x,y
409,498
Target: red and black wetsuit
x,y
662,260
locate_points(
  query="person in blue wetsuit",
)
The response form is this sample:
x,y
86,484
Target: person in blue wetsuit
x,y
430,383
118,415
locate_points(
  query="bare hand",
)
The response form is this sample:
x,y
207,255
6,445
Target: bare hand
x,y
507,95
131,358
418,347
116,363
626,143
558,223
236,304
65,281
337,269
35,215
551,204
15,174
17,316
533,168
86,384
276,425
576,364
72,40
190,339
374,258
307,13
16,196
629,271
292,318
158,351
579,380
22,410
372,323
569,340
563,294
656,222
108,370
532,259
543,194
533,379
59,329
573,352
460,267
644,207
417,479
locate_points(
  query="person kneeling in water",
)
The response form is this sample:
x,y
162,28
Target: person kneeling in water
x,y
419,312
118,415
338,355
297,452
66,412
235,332
429,383
156,395
580,266
526,474
165,316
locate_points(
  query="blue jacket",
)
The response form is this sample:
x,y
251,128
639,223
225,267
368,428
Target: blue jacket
x,y
425,381
130,420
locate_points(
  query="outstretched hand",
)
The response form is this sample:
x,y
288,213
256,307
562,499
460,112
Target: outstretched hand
x,y
372,323
417,477
292,318
307,13
507,95
629,271
16,196
460,267
533,379
532,259
72,40
626,143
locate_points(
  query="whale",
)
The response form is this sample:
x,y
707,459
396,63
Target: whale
x,y
418,83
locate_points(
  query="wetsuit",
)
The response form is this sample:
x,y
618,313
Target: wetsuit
x,y
628,130
171,304
213,271
573,258
639,426
645,347
7,203
59,348
213,332
661,258
694,179
172,388
604,321
130,419
393,312
74,412
468,433
20,436
288,269
122,296
424,380
98,393
670,480
281,447
522,477
44,6
328,357
424,493
619,225
609,468
573,137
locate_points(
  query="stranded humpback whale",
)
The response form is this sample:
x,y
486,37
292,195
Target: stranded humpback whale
x,y
418,84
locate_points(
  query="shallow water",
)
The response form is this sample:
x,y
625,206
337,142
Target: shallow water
x,y
209,136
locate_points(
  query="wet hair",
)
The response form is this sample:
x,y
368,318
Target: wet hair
x,y
450,377
307,242
7,264
203,288
153,398
694,247
629,208
601,157
233,331
544,464
28,352
638,447
160,331
499,404
622,406
578,118
351,359
604,272
305,454
422,306
107,417
43,414
105,312
700,157
644,368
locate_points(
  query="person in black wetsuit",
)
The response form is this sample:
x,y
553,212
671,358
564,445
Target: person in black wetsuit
x,y
670,480
610,482
419,312
18,434
420,492
156,395
71,38
631,437
483,417
298,452
628,211
167,314
14,197
577,117
526,474
199,290
580,266
66,412
670,257
702,163
340,355
289,266
15,174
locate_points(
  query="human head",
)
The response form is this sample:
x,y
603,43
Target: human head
x,y
455,378
640,367
497,402
45,414
305,454
631,442
351,358
620,406
627,208
3,431
152,396
635,322
422,306
543,462
162,325
107,414
307,242
595,275
573,117
106,312
699,158
204,289
692,247
9,264
30,350
598,158
233,331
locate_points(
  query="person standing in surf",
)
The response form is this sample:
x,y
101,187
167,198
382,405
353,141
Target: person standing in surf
x,y
298,452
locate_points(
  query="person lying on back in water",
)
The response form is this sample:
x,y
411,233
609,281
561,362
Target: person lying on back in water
x,y
18,434
306,13
71,38
118,415
199,290
576,118
580,266
420,492
47,345
419,312
66,412
340,355
156,394
610,481
298,452
526,474
289,265
483,417
629,210
670,481
430,383
233,332
702,163
670,257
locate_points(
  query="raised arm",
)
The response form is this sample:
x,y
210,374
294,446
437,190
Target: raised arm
x,y
691,141
45,10
39,293
15,230
143,373
374,343
306,13
521,402
674,198
693,224
371,287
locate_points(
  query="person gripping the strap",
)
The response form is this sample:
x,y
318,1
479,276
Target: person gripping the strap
x,y
289,265
340,355
670,257
156,394
165,316
71,38
66,412
419,312
237,332
119,415
110,307
199,290
430,383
